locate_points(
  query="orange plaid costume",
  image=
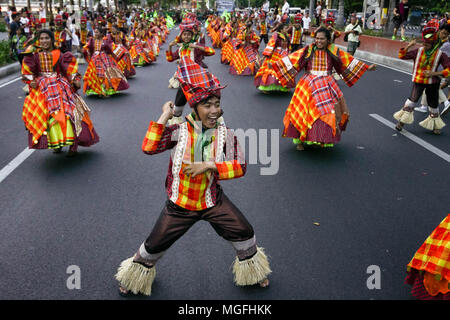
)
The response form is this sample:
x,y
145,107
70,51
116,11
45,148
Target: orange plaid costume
x,y
423,63
433,259
316,92
245,56
53,94
296,35
276,49
196,193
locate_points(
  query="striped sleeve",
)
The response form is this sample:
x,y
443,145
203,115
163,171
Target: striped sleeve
x,y
159,138
171,56
407,55
209,51
445,62
270,46
287,67
234,165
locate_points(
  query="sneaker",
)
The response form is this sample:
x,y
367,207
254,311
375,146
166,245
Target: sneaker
x,y
393,37
421,109
404,39
445,110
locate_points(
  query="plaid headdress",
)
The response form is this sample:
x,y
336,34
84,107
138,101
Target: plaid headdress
x,y
298,18
330,20
430,31
188,24
58,19
196,82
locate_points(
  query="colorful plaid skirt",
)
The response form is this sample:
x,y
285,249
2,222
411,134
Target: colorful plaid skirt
x,y
429,269
310,115
103,76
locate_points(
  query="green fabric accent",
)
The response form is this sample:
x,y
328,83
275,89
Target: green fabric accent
x,y
55,135
273,87
310,143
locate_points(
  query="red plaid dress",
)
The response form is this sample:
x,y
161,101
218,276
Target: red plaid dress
x,y
276,49
316,92
429,269
102,72
245,59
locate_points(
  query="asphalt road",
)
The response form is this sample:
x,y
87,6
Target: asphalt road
x,y
324,218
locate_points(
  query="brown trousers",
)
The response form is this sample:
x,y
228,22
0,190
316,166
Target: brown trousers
x,y
226,219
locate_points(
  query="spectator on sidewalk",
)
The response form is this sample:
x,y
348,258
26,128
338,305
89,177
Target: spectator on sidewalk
x,y
318,13
14,25
285,8
401,12
18,44
42,15
25,23
352,32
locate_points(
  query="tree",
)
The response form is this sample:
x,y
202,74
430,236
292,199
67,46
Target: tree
x,y
340,14
388,28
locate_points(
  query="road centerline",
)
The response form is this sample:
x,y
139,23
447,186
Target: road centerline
x,y
412,137
10,167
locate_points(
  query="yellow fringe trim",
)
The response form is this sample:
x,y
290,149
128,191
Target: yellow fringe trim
x,y
404,116
135,277
251,271
432,123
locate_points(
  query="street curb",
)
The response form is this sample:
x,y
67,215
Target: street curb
x,y
9,69
396,64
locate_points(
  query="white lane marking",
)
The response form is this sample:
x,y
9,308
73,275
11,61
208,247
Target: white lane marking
x,y
10,167
9,82
414,138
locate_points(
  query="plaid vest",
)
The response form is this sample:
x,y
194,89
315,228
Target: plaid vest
x,y
194,193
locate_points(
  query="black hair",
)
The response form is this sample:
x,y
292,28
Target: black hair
x,y
281,26
195,107
445,27
326,31
49,33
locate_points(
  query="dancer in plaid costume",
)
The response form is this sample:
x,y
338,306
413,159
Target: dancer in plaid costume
x,y
140,53
204,152
317,112
103,76
429,269
266,80
296,33
427,59
120,51
190,55
54,114
245,60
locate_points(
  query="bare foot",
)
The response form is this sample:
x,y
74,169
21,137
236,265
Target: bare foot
x,y
264,283
300,147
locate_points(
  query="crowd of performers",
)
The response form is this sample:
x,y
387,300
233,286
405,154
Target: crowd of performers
x,y
317,113
54,113
204,150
